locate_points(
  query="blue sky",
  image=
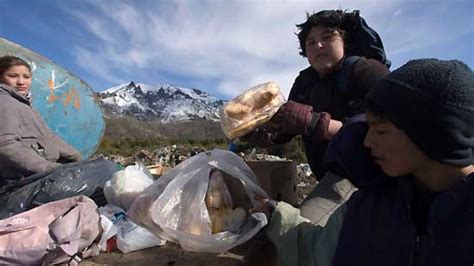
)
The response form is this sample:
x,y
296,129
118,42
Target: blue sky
x,y
220,46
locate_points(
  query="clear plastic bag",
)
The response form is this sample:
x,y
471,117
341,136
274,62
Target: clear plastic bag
x,y
175,207
250,109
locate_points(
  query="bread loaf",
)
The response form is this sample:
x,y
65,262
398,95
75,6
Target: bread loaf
x,y
237,110
265,96
251,109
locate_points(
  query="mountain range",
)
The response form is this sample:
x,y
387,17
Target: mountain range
x,y
145,111
160,103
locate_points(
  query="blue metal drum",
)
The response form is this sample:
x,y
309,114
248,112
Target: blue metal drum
x,y
66,103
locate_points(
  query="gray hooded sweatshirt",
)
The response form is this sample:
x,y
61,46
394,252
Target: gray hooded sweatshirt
x,y
27,146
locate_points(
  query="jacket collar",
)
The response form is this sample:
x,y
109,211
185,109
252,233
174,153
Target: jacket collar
x,y
9,90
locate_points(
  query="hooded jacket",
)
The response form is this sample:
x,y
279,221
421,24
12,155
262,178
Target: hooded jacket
x,y
27,146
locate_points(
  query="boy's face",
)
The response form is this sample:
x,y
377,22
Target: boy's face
x,y
324,49
392,149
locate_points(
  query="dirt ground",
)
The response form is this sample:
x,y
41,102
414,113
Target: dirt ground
x,y
169,254
256,252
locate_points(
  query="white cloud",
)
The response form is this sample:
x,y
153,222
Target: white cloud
x,y
234,44
94,63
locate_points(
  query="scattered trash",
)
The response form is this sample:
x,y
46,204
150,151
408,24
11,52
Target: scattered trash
x,y
158,170
165,158
128,235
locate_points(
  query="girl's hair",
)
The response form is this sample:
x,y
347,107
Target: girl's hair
x,y
8,61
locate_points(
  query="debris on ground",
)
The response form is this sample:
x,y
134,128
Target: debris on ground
x,y
164,158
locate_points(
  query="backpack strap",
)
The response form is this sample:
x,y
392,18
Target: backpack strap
x,y
344,76
344,86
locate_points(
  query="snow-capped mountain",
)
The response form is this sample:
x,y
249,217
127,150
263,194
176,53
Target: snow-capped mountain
x,y
163,103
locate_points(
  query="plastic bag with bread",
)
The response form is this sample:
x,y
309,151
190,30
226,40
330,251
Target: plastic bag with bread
x,y
220,205
250,109
201,204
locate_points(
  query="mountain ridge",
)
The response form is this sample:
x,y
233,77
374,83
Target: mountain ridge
x,y
147,111
162,103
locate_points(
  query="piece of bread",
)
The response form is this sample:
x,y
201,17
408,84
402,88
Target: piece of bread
x,y
265,96
252,108
237,110
249,125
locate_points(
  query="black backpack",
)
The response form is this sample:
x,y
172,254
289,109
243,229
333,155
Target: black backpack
x,y
363,40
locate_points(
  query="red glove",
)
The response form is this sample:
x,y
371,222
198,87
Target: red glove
x,y
292,119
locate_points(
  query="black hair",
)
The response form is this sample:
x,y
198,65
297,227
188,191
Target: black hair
x,y
326,18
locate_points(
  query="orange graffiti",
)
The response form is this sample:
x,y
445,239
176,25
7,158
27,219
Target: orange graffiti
x,y
72,94
52,97
51,84
66,98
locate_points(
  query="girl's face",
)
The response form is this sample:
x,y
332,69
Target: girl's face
x,y
324,49
391,148
18,77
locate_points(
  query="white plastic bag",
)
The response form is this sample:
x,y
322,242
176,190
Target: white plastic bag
x,y
130,236
108,231
174,206
127,184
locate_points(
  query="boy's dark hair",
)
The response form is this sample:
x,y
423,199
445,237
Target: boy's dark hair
x,y
8,61
326,18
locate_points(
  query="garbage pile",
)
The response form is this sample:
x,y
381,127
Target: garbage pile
x,y
169,156
306,181
174,154
201,204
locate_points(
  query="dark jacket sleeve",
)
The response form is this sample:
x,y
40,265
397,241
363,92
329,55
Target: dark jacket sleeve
x,y
346,156
299,84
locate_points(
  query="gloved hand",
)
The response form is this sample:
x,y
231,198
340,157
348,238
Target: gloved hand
x,y
291,119
258,138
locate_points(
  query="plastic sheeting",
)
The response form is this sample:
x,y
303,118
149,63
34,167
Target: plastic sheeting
x,y
81,178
